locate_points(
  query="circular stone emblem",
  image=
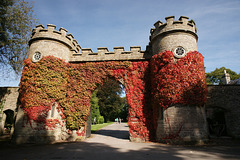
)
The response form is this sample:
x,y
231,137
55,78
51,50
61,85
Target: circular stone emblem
x,y
37,56
179,52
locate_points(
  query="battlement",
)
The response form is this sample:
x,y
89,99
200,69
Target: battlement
x,y
40,33
182,25
104,54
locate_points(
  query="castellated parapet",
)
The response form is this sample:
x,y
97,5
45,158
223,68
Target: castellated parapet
x,y
104,54
52,42
173,34
49,41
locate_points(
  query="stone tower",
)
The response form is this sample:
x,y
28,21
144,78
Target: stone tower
x,y
185,121
45,42
177,36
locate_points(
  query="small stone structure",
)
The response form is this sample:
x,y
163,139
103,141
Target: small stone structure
x,y
177,36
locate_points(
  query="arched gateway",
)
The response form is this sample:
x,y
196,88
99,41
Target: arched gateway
x,y
165,85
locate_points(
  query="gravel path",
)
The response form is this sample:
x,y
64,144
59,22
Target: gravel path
x,y
111,143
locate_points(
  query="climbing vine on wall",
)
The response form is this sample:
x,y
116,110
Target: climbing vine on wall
x,y
71,86
179,81
170,81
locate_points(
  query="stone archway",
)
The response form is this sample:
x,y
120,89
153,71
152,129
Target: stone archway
x,y
8,120
108,104
71,86
216,121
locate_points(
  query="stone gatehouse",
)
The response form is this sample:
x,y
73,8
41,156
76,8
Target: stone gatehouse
x,y
165,85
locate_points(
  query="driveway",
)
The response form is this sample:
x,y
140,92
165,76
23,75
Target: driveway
x,y
111,143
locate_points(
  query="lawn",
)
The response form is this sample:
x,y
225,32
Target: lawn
x,y
97,127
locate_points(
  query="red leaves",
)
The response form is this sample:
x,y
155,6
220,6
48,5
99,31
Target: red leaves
x,y
37,113
71,85
52,123
179,81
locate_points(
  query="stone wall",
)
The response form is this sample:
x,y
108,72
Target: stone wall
x,y
28,131
182,124
227,98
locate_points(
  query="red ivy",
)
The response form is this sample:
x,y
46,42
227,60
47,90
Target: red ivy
x,y
177,81
71,86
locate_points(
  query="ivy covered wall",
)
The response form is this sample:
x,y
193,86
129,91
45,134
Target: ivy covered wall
x,y
148,86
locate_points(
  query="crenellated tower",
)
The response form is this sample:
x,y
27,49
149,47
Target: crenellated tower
x,y
181,120
49,41
177,36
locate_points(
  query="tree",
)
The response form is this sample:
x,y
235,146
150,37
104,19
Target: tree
x,y
124,109
110,102
95,112
16,21
215,77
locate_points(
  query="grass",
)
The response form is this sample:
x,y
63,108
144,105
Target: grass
x,y
97,127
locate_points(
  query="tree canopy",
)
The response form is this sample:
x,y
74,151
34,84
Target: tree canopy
x,y
16,21
215,77
95,112
110,102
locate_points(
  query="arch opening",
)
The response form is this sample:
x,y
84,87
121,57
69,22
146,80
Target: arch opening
x,y
109,105
9,121
216,121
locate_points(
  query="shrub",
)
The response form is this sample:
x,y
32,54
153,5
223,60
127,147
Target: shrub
x,y
100,120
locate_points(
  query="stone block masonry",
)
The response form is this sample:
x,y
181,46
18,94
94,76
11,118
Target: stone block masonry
x,y
103,54
227,98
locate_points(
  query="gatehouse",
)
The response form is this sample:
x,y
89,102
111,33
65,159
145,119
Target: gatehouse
x,y
165,85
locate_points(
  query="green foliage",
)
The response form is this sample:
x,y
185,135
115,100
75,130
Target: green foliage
x,y
16,21
215,77
124,110
95,112
101,120
110,101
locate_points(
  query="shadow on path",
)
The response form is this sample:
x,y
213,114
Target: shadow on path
x,y
114,133
111,143
120,131
136,151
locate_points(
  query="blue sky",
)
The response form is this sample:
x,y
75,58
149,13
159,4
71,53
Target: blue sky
x,y
110,23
